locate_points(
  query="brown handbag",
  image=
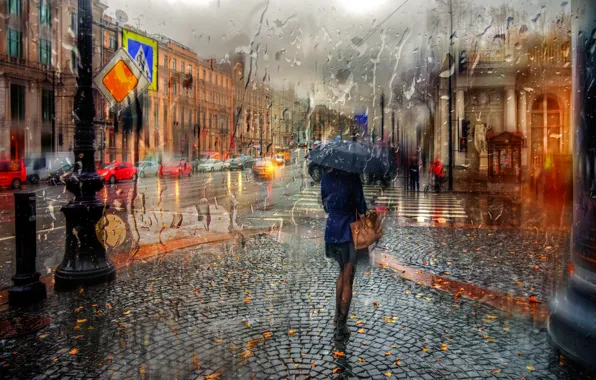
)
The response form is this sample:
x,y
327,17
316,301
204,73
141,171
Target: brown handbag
x,y
366,230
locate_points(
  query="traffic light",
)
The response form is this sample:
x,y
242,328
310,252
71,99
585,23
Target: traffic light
x,y
463,139
463,61
127,120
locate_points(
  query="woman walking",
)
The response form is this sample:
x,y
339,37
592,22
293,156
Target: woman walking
x,y
342,196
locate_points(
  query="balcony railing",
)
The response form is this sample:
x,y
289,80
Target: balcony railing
x,y
21,62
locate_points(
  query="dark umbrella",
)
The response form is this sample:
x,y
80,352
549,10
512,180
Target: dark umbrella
x,y
354,157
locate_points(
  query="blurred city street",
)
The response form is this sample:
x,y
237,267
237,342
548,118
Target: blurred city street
x,y
444,293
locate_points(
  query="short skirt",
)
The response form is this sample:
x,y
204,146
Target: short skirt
x,y
345,253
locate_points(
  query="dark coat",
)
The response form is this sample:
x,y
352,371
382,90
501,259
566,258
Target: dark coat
x,y
342,196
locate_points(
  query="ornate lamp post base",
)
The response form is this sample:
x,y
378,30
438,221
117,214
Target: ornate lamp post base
x,y
85,259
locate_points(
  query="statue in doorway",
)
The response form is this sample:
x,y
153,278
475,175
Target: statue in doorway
x,y
480,138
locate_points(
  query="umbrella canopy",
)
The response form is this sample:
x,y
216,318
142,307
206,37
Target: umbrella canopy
x,y
354,157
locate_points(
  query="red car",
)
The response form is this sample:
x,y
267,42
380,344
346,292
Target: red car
x,y
117,171
12,173
175,169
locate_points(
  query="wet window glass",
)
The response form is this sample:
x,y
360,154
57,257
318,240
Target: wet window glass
x,y
223,189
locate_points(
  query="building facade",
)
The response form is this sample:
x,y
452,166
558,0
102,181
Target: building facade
x,y
39,62
521,86
252,111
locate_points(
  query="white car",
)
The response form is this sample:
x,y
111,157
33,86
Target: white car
x,y
148,169
210,165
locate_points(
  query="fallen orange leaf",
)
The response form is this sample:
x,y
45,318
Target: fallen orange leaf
x,y
361,331
213,376
339,353
81,320
529,367
126,312
533,299
336,370
291,332
74,351
388,374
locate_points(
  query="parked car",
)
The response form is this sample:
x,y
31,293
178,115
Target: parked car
x,y
57,176
148,168
39,167
118,171
175,168
264,168
12,173
210,165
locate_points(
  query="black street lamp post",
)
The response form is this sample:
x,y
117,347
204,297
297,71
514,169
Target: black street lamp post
x,y
451,61
85,259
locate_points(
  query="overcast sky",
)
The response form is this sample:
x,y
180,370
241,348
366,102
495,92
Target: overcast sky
x,y
306,43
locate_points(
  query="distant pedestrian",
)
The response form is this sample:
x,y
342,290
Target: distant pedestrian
x,y
414,176
439,175
342,196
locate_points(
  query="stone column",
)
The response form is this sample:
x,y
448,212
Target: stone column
x,y
573,309
510,110
523,125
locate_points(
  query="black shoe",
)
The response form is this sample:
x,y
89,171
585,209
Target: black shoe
x,y
342,333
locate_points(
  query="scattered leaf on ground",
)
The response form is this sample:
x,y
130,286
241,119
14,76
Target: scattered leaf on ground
x,y
361,331
444,347
336,370
126,312
388,374
529,367
74,351
291,332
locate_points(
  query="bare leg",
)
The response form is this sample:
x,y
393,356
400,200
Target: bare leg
x,y
347,275
338,290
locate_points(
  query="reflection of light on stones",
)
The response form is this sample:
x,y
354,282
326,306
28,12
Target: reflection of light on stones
x,y
177,193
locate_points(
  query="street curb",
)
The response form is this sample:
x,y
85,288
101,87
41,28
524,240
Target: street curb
x,y
148,252
537,310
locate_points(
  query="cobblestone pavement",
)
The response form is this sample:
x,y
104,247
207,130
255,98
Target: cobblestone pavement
x,y
518,262
264,311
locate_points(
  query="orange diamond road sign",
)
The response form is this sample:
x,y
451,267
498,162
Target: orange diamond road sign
x,y
121,80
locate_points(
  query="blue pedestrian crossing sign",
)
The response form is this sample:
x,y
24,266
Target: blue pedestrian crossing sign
x,y
144,51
